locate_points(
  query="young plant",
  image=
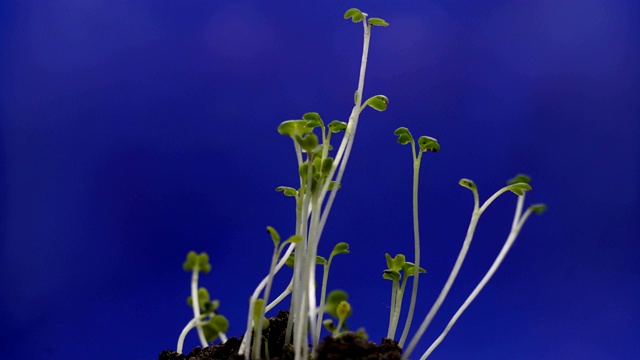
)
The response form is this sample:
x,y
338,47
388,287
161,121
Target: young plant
x,y
209,325
338,307
519,186
397,269
320,176
425,143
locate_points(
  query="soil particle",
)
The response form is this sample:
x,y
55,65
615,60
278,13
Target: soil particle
x,y
347,346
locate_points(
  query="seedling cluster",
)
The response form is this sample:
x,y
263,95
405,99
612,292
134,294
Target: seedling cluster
x,y
320,171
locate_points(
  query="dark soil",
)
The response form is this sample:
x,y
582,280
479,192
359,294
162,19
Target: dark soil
x,y
346,347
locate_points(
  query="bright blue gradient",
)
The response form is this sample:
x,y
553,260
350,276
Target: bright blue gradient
x,y
134,131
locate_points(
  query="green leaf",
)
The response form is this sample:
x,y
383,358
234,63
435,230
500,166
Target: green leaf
x,y
391,275
468,184
333,184
538,208
313,120
203,262
520,178
409,269
404,135
274,235
291,260
377,22
396,262
216,325
320,260
308,142
327,164
333,299
519,188
294,128
355,15
287,191
378,102
329,325
191,261
427,143
304,171
337,126
340,248
293,239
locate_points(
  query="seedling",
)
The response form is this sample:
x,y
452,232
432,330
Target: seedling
x,y
209,325
338,307
397,269
320,169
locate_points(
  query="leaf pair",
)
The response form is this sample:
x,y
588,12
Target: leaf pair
x,y
197,261
357,16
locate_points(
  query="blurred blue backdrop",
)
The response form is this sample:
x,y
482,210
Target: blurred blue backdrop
x,y
135,131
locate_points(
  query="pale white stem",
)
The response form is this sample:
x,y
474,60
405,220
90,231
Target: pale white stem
x,y
280,297
254,297
190,325
416,235
515,230
447,286
196,305
391,332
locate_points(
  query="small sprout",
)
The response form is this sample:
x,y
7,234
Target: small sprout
x,y
274,235
294,128
203,299
519,188
287,191
362,334
307,143
404,136
355,15
337,126
520,178
468,184
377,22
340,248
313,120
538,208
378,102
427,143
333,300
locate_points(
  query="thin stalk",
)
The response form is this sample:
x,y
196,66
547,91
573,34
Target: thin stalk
x,y
190,325
447,286
515,230
347,140
254,297
196,305
416,237
280,297
323,296
258,344
391,332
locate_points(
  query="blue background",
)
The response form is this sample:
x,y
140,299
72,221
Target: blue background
x,y
135,131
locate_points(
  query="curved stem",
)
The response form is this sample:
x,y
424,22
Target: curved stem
x,y
196,305
515,230
447,286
